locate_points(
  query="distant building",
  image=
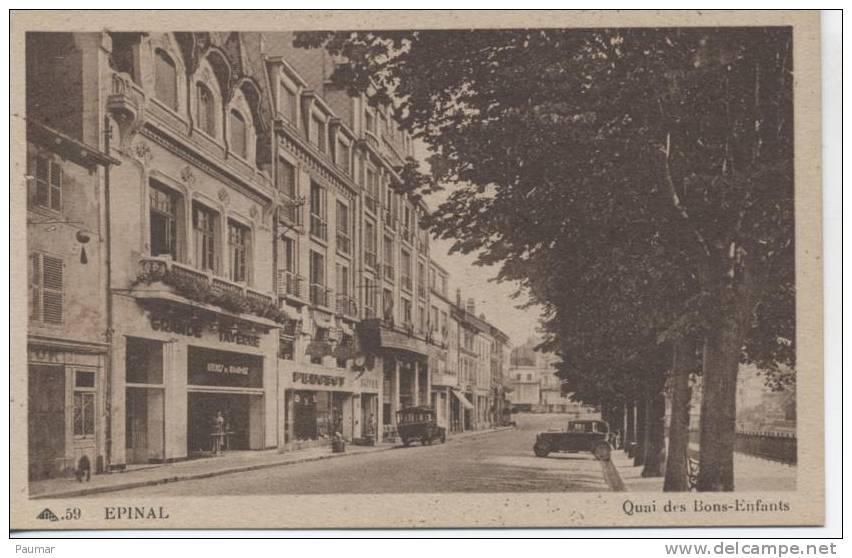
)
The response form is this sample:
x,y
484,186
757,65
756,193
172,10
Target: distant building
x,y
534,384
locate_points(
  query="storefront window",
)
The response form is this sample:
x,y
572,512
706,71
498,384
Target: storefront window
x,y
317,415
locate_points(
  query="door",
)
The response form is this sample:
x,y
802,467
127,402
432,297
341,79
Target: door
x,y
46,422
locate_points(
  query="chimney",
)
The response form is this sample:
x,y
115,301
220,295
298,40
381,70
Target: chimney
x,y
471,306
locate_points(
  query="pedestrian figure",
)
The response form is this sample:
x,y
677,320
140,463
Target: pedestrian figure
x,y
218,432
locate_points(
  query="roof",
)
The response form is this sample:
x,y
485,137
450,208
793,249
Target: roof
x,y
64,144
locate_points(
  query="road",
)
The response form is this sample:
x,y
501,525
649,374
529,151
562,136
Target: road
x,y
493,462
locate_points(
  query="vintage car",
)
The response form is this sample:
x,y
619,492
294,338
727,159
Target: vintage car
x,y
580,435
418,423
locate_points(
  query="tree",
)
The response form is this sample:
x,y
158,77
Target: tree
x,y
558,141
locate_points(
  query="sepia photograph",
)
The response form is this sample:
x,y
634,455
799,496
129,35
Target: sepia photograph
x,y
432,269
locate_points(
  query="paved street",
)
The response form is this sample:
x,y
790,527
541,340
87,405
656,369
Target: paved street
x,y
495,462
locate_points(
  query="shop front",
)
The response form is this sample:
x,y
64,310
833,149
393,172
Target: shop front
x,y
190,382
65,407
225,401
318,404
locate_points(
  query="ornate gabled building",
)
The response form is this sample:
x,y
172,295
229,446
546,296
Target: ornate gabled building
x,y
259,279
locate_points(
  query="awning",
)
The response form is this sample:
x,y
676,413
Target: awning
x,y
464,400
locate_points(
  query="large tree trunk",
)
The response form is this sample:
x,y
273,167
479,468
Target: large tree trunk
x,y
722,348
677,464
629,426
655,448
639,452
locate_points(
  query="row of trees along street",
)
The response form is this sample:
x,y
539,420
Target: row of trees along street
x,y
636,183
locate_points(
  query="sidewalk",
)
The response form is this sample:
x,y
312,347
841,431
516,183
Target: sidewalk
x,y
751,474
236,462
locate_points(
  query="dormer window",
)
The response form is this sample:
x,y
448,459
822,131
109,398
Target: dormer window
x,y
317,133
238,140
165,80
287,104
206,109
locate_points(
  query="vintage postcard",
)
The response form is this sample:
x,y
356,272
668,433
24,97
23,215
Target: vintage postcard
x,y
294,270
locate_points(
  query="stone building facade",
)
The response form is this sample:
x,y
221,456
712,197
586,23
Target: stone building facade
x,y
256,278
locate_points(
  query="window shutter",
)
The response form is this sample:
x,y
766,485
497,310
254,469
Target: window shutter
x,y
35,287
55,186
52,296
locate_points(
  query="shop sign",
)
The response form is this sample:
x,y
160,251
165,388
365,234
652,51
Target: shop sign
x,y
318,379
175,324
239,338
209,367
370,383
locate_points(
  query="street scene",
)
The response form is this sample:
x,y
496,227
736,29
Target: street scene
x,y
480,261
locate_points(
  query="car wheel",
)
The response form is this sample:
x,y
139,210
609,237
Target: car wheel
x,y
541,451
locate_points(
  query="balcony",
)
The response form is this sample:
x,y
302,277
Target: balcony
x,y
389,219
346,306
370,259
202,288
290,284
126,99
388,268
405,281
320,295
319,227
371,204
289,213
344,243
372,140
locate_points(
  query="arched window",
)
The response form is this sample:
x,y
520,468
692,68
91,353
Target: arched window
x,y
165,79
238,134
206,117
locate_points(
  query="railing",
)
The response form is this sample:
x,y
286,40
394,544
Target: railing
x,y
371,204
389,219
126,96
388,268
370,259
320,295
289,284
319,227
777,446
405,281
224,286
372,140
201,286
346,306
344,243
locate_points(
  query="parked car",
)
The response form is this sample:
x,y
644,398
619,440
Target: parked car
x,y
418,423
579,436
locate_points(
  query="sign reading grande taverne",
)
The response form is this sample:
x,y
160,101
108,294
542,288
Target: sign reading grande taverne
x,y
195,327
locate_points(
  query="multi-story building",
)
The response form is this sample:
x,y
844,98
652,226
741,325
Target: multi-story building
x,y
257,277
534,385
67,334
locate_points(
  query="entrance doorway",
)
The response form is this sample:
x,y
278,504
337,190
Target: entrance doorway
x,y
145,425
46,421
242,414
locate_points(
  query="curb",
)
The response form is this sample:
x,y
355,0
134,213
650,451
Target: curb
x,y
239,469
